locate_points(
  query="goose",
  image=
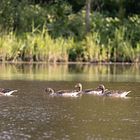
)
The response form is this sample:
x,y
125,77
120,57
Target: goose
x,y
102,91
6,92
65,93
98,91
116,93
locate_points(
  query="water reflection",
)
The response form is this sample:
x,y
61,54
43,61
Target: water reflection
x,y
71,72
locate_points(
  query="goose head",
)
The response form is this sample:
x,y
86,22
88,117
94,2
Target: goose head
x,y
49,90
79,86
101,87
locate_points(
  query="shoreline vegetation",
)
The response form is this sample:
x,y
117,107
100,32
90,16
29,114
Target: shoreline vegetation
x,y
41,34
40,47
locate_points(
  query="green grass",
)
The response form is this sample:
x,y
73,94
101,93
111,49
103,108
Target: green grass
x,y
41,46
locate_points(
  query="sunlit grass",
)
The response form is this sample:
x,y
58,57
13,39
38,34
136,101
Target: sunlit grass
x,y
41,46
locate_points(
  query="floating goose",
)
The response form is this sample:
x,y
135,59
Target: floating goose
x,y
98,91
116,93
65,93
102,91
6,92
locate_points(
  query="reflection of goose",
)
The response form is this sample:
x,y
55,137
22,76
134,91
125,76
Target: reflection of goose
x,y
6,92
98,91
65,93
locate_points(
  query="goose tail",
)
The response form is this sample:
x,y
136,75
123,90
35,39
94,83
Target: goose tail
x,y
125,93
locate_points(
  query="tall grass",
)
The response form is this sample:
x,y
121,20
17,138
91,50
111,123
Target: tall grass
x,y
122,50
9,45
91,44
41,46
34,47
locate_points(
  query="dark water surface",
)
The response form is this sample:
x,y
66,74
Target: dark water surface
x,y
33,115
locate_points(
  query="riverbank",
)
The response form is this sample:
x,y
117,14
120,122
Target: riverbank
x,y
41,47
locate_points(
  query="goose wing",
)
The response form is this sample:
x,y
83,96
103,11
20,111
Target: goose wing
x,y
66,91
93,91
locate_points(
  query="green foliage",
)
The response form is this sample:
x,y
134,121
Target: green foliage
x,y
55,31
91,44
76,53
42,47
117,8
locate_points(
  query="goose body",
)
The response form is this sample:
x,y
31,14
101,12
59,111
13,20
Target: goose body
x,y
6,92
116,93
65,93
102,91
98,91
68,93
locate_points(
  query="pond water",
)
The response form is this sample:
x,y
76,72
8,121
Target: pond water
x,y
33,115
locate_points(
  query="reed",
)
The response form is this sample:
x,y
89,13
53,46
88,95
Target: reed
x,y
9,45
91,44
122,50
137,53
40,46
